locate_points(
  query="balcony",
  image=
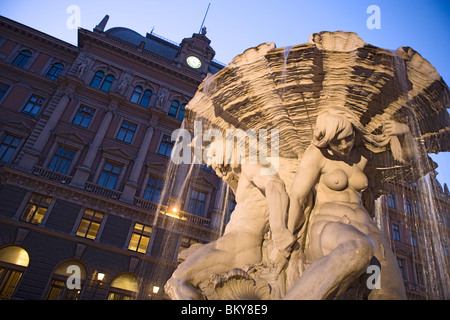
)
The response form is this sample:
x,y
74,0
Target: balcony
x,y
114,194
51,175
180,215
102,191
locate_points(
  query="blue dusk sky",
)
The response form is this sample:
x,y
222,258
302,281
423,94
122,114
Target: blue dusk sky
x,y
234,26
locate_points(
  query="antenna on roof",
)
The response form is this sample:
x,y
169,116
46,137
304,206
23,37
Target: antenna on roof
x,y
204,18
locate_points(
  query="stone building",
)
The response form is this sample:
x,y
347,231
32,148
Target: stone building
x,y
415,217
85,137
85,140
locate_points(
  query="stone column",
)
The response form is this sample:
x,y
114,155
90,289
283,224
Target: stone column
x,y
32,156
130,188
84,170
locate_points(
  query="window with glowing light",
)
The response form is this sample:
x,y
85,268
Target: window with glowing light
x,y
36,208
13,263
140,238
90,224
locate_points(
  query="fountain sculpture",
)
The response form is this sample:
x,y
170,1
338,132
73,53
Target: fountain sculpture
x,y
343,116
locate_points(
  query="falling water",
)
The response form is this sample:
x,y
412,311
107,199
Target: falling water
x,y
426,223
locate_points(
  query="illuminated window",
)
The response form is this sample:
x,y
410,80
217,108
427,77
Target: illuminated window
x,y
13,262
55,71
186,242
8,147
36,208
22,58
124,287
64,288
90,224
140,238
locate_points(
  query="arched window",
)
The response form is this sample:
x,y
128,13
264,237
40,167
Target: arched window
x,y
176,110
99,75
140,96
181,112
13,263
106,85
124,287
55,71
146,98
136,95
67,281
22,58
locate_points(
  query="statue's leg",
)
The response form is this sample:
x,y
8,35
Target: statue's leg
x,y
342,253
232,250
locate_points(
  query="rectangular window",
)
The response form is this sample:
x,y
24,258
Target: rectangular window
x,y
9,279
166,146
413,239
402,267
3,89
90,224
36,208
396,232
109,176
419,274
197,202
8,147
153,189
33,106
126,132
61,160
186,242
83,116
140,238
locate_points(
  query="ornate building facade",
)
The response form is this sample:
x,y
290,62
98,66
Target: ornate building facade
x,y
85,139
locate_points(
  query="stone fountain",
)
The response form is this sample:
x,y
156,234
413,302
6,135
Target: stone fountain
x,y
324,123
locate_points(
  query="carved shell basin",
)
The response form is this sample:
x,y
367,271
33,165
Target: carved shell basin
x,y
285,88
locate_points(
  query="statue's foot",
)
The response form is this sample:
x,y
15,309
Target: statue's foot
x,y
181,290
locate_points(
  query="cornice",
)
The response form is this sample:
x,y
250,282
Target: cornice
x,y
131,51
39,36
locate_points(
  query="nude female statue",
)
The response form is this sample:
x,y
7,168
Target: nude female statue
x,y
341,237
261,201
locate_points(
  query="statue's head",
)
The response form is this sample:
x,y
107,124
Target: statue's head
x,y
335,131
